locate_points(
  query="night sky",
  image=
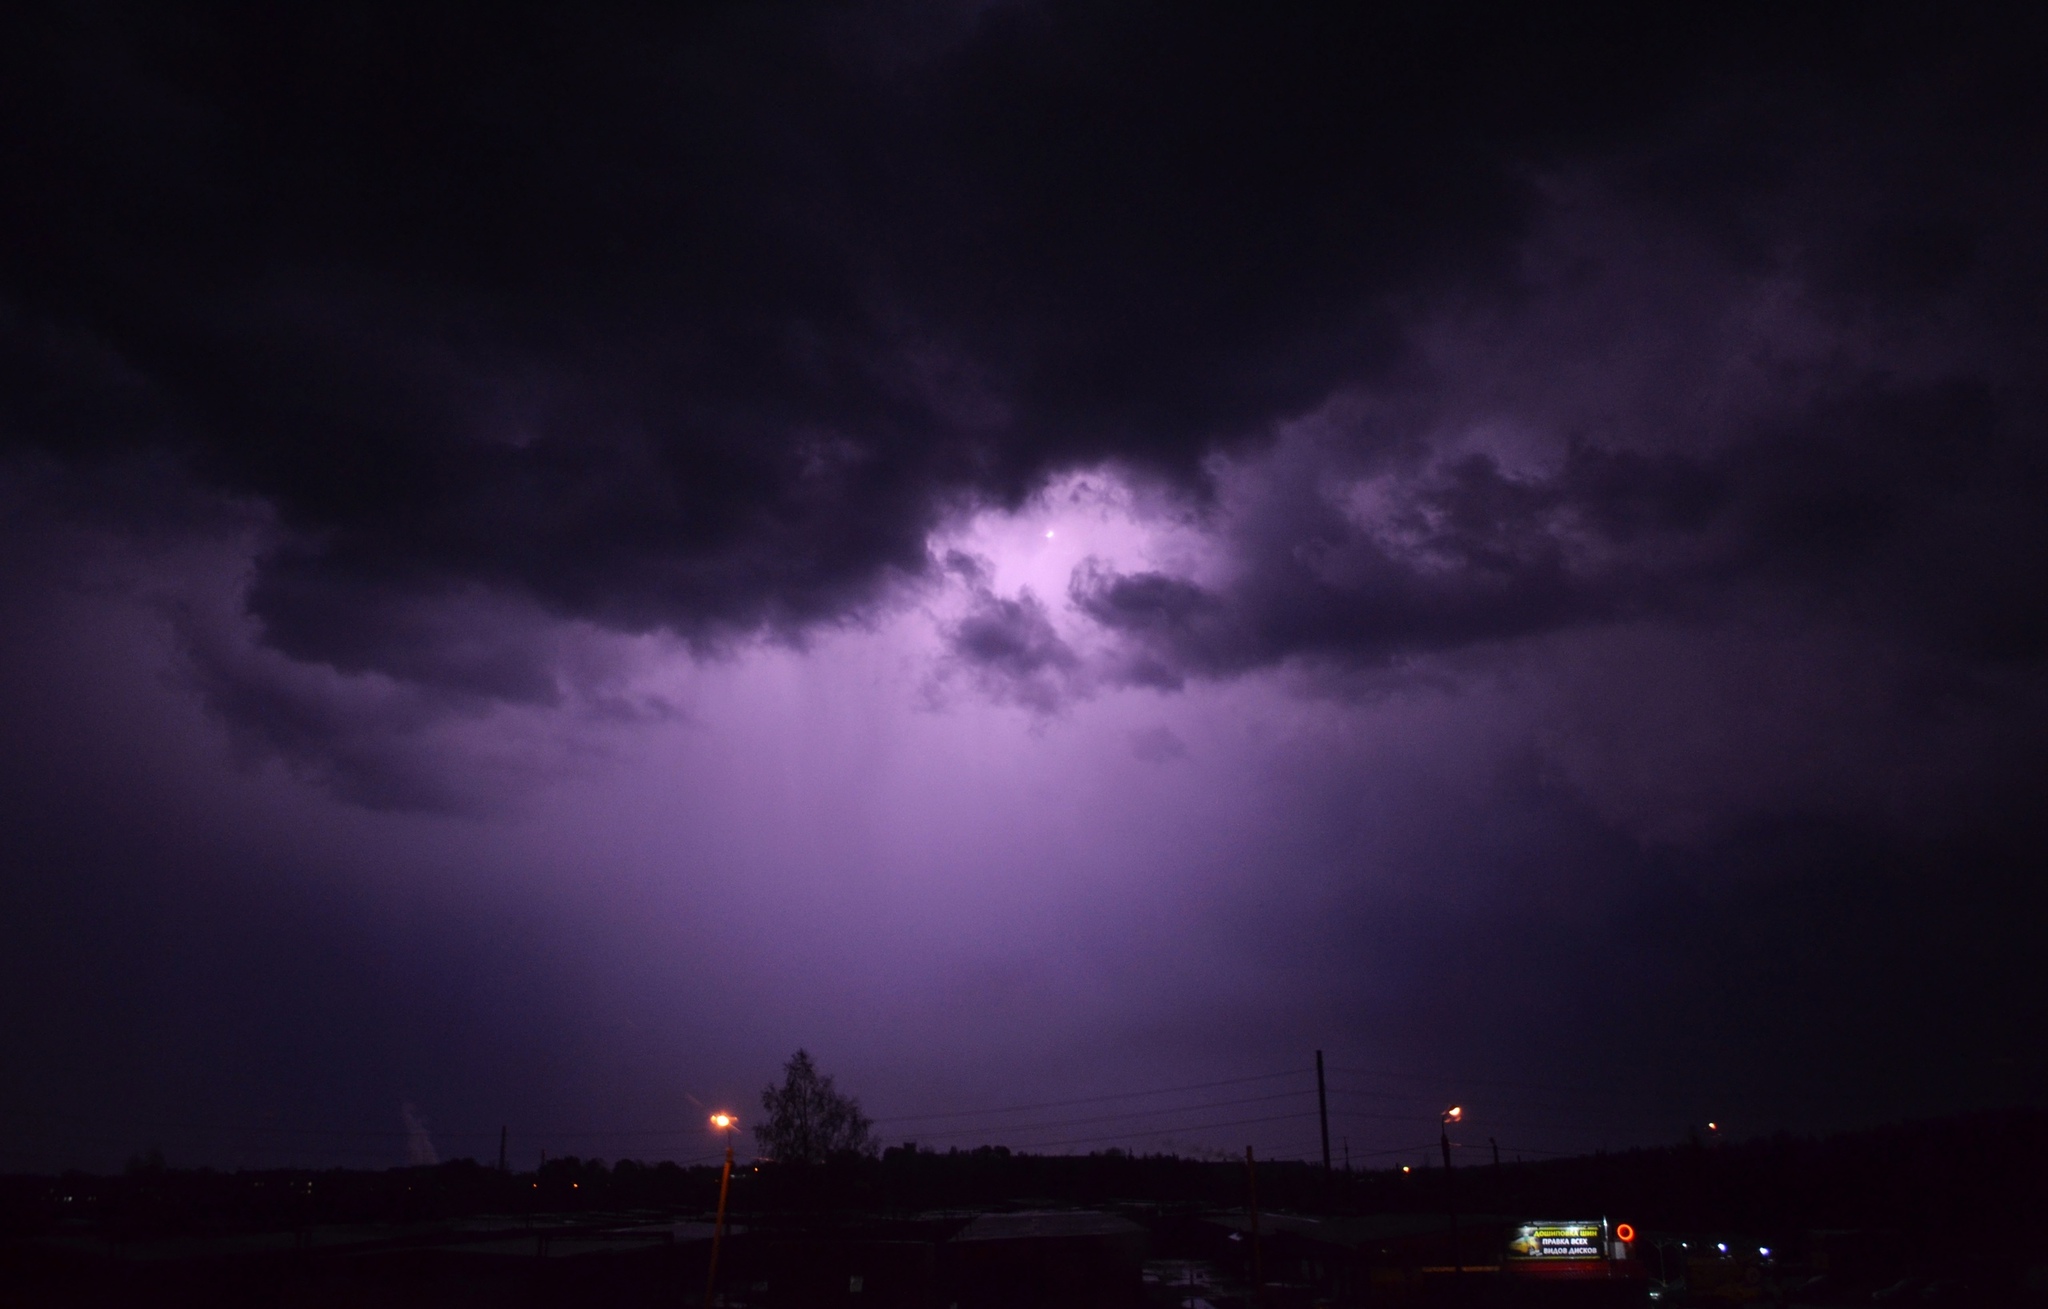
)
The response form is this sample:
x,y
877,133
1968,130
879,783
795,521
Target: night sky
x,y
551,555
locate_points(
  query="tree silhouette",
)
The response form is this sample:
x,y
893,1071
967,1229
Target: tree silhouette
x,y
809,1121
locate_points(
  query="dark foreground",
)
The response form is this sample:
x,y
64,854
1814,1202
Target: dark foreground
x,y
1937,1214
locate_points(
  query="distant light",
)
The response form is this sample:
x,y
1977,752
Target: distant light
x,y
722,1121
1406,1169
1721,1246
1048,534
1454,1113
1713,1127
1625,1232
1764,1250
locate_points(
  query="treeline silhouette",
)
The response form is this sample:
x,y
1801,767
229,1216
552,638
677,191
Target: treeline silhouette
x,y
1977,1177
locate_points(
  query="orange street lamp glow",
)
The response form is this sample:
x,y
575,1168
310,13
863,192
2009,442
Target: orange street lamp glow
x,y
1454,1113
724,1122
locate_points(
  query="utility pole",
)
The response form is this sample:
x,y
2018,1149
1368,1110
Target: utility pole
x,y
1251,1180
504,1138
1323,1111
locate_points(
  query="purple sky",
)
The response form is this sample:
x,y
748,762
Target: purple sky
x,y
1038,552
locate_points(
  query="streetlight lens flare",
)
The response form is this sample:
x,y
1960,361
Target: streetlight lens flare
x,y
722,1121
1454,1113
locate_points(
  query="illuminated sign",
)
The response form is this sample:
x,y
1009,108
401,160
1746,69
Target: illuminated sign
x,y
1548,1241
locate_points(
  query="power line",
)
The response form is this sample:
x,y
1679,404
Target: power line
x,y
1356,1115
1112,1118
265,1136
1092,1099
1516,1104
1443,1080
261,1135
1192,1127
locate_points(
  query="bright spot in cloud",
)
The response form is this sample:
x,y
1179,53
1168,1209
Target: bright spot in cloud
x,y
1089,515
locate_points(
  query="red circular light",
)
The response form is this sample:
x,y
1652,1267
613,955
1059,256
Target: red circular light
x,y
1625,1232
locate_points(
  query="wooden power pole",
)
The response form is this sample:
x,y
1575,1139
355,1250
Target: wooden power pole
x,y
1251,1181
1323,1111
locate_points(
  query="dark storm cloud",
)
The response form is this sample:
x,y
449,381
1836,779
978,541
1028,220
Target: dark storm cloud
x,y
1157,745
370,743
1012,651
1650,396
1464,551
1789,970
702,321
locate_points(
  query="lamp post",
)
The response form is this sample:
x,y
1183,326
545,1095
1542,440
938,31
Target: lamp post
x,y
725,1123
1454,1114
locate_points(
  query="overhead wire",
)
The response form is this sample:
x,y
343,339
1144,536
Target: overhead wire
x,y
1194,1127
997,1122
1093,1099
1445,1080
1132,1114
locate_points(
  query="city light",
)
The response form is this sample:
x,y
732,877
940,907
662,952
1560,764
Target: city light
x,y
723,1122
1454,1114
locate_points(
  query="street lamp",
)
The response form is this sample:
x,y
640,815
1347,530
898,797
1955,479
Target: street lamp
x,y
1454,1114
723,1122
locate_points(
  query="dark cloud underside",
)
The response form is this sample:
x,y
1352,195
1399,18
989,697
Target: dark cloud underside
x,y
702,320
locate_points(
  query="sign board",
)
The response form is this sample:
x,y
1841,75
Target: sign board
x,y
1555,1241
